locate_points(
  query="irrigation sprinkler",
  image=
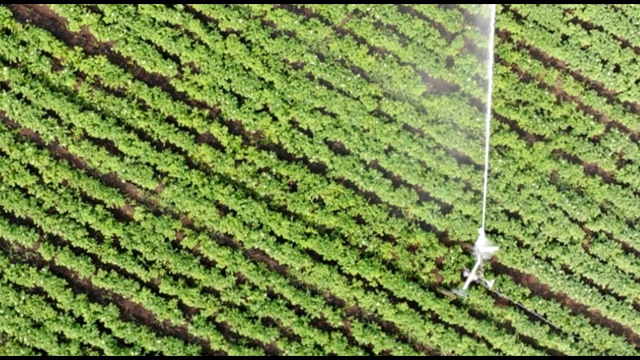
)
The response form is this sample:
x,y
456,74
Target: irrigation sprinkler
x,y
482,250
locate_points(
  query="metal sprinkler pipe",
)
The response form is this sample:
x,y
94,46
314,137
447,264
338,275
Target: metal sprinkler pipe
x,y
472,274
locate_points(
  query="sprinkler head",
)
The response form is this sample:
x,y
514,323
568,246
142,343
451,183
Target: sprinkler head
x,y
483,248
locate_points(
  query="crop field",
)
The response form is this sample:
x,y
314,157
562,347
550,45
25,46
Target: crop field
x,y
304,179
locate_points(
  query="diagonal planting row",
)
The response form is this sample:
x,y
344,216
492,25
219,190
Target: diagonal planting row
x,y
621,25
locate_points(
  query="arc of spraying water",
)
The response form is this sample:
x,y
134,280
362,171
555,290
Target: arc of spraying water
x,y
487,113
481,235
482,248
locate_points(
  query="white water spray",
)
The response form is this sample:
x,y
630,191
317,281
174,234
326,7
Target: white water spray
x,y
483,250
487,113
